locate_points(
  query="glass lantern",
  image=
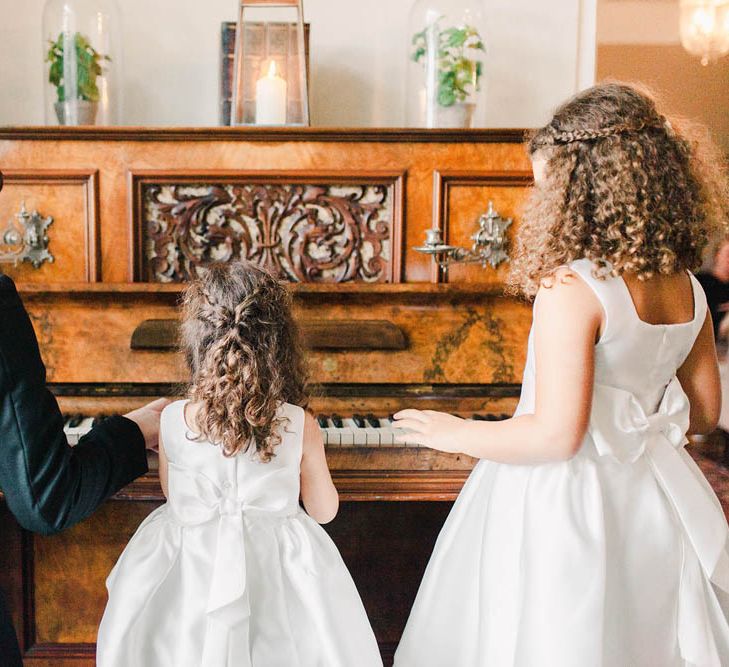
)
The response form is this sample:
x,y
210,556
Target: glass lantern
x,y
82,54
446,64
269,71
704,27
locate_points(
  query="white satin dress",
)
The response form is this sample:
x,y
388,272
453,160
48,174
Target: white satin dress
x,y
615,558
231,572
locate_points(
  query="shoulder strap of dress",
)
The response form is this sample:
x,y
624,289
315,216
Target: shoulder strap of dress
x,y
700,304
171,425
610,292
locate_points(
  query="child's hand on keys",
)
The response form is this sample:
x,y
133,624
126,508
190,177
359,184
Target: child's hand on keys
x,y
437,430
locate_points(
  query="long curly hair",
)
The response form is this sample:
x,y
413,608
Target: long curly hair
x,y
244,356
624,187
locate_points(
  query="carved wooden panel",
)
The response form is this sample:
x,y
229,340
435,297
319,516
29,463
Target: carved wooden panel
x,y
70,198
303,228
460,198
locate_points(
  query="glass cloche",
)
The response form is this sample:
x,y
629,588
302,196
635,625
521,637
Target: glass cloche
x,y
446,64
82,56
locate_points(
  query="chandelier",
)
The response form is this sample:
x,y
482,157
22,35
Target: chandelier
x,y
704,27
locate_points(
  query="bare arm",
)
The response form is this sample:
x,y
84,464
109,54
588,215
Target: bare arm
x,y
567,319
320,497
699,377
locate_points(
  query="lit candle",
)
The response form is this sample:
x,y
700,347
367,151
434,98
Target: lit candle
x,y
271,98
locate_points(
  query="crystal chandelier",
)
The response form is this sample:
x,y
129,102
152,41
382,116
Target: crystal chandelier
x,y
704,26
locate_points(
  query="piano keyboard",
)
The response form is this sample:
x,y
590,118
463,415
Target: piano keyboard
x,y
355,431
371,431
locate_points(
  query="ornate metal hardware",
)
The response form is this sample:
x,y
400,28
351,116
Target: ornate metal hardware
x,y
489,243
25,239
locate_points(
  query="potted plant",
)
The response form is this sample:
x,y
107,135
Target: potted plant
x,y
453,71
77,100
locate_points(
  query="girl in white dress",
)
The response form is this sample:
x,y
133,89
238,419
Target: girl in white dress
x,y
231,572
586,536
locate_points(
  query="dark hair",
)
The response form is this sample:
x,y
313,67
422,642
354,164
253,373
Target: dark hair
x,y
243,352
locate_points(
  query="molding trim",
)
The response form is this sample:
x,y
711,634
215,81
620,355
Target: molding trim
x,y
364,390
353,485
59,652
273,134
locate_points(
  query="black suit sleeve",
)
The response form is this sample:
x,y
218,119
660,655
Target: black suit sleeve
x,y
49,485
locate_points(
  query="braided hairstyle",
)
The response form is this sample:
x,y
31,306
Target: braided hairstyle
x,y
623,187
244,356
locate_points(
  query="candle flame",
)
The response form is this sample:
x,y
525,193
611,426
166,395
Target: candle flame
x,y
272,69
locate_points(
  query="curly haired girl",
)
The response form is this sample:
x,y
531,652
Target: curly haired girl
x,y
231,572
586,535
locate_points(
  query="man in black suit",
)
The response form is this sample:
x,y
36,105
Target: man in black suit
x,y
48,485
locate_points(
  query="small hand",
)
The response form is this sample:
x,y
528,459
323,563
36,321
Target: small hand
x,y
437,430
147,418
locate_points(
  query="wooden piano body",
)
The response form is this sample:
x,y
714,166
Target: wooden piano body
x,y
135,210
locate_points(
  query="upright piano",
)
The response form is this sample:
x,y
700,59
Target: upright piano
x,y
129,214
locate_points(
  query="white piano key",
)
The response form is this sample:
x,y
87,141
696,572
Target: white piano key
x,y
373,433
387,433
332,437
347,437
74,433
398,432
359,435
373,437
86,425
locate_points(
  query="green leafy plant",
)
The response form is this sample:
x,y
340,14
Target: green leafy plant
x,y
459,73
89,65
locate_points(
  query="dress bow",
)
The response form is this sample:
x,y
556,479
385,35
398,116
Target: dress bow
x,y
621,429
199,500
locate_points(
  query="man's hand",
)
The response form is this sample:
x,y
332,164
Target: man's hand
x,y
147,418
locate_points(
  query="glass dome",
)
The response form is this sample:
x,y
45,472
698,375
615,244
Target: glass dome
x,y
83,60
446,64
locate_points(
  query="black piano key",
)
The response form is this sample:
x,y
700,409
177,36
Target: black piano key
x,y
359,420
97,420
74,421
372,420
337,421
323,421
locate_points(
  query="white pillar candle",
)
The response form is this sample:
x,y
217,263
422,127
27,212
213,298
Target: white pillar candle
x,y
271,98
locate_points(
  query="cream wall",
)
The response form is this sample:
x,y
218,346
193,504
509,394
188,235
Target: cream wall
x,y
539,53
639,41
